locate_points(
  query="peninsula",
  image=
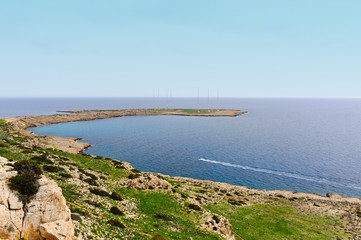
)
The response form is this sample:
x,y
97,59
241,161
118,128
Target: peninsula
x,y
20,124
109,199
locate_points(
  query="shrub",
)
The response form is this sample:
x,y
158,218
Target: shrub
x,y
95,204
26,166
75,217
99,192
91,182
162,216
116,196
65,175
42,159
116,223
134,176
116,211
24,183
92,176
50,168
194,207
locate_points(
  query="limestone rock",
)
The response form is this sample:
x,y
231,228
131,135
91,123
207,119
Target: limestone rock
x,y
220,225
148,182
45,216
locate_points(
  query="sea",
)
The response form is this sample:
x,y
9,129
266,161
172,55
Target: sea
x,y
301,145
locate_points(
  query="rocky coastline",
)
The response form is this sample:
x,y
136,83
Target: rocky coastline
x,y
21,123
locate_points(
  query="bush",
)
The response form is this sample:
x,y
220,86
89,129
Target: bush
x,y
116,223
65,175
116,196
162,216
50,168
42,159
134,175
26,166
76,217
24,183
116,211
92,176
194,207
99,192
91,182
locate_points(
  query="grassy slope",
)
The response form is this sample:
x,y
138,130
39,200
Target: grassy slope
x,y
158,211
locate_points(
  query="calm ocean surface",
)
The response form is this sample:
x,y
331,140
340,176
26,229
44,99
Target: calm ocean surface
x,y
305,145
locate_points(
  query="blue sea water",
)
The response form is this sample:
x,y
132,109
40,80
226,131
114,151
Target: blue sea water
x,y
305,145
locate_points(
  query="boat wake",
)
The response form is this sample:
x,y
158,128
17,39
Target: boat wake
x,y
280,173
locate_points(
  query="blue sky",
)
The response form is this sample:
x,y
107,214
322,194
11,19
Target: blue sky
x,y
116,48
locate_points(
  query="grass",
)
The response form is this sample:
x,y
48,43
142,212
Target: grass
x,y
259,222
2,121
173,215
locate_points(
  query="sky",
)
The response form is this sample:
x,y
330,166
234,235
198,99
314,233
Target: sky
x,y
240,48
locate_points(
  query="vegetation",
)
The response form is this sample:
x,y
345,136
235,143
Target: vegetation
x,y
26,180
2,121
114,211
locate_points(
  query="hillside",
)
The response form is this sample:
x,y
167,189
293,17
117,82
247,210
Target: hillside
x,y
109,199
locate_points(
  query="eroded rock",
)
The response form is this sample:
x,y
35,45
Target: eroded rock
x,y
148,182
45,216
220,225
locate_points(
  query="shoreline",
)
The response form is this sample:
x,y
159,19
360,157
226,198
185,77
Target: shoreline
x,y
22,123
71,145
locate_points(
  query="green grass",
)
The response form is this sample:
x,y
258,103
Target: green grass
x,y
258,222
2,121
163,212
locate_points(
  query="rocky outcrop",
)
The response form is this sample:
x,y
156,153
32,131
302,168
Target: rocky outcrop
x,y
148,181
220,225
45,216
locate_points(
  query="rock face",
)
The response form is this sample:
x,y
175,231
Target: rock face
x,y
45,216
